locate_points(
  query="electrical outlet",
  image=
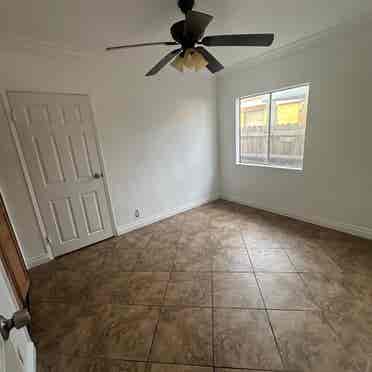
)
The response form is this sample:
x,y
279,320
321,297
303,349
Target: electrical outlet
x,y
137,213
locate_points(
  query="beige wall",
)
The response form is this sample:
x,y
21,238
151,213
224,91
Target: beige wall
x,y
335,187
159,135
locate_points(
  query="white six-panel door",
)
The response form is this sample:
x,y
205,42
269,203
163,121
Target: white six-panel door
x,y
58,141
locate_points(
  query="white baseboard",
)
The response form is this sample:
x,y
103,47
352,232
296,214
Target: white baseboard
x,y
42,259
166,214
360,231
37,261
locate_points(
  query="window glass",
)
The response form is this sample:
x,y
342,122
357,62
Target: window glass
x,y
254,128
288,126
272,128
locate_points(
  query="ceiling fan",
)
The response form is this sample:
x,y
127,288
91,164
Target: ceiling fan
x,y
188,34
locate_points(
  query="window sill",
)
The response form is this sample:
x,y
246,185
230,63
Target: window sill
x,y
297,170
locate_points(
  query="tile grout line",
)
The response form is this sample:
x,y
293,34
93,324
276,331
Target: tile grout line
x,y
310,295
319,308
212,272
161,307
142,250
264,302
212,312
299,273
188,306
269,321
324,316
87,357
213,323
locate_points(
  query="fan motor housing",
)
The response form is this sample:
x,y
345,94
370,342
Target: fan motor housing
x,y
177,32
186,5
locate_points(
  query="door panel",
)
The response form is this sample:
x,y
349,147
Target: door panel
x,y
57,137
92,212
63,215
80,156
48,159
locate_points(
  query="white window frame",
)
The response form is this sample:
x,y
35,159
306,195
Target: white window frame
x,y
237,128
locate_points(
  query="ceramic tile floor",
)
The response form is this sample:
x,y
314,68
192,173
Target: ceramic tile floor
x,y
219,288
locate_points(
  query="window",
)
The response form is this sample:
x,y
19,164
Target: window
x,y
271,128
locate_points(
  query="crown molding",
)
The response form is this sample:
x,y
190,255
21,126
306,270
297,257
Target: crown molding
x,y
313,40
19,44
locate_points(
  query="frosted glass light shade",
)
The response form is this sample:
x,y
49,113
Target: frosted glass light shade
x,y
178,63
192,59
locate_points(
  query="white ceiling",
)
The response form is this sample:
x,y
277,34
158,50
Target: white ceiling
x,y
90,25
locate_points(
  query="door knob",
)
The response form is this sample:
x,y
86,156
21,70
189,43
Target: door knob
x,y
97,175
20,319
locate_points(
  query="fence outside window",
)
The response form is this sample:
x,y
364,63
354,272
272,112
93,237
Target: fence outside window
x,y
272,127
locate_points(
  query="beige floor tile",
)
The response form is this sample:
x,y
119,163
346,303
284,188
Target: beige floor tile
x,y
193,259
236,290
178,368
58,363
184,336
192,292
312,259
106,301
308,344
270,260
231,260
243,339
125,332
285,291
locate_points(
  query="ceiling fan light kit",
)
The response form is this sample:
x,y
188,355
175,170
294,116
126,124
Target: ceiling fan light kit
x,y
192,59
188,59
178,63
188,34
199,61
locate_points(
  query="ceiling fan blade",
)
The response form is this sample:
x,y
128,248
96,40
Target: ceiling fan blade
x,y
239,40
163,62
195,24
140,45
213,65
178,31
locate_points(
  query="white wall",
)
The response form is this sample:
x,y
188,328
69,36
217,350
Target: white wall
x,y
335,187
159,135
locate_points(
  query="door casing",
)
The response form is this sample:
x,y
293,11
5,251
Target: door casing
x,y
19,351
49,255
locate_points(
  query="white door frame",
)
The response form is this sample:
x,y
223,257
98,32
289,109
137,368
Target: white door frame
x,y
35,204
20,339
